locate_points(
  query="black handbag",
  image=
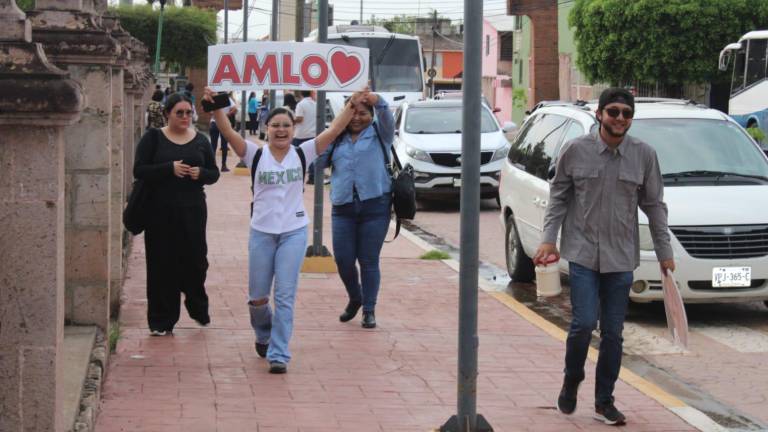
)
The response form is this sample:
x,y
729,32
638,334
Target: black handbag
x,y
136,212
403,187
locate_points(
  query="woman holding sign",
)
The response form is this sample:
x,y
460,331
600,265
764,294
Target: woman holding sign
x,y
360,193
278,228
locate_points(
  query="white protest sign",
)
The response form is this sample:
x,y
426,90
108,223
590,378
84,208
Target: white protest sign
x,y
287,66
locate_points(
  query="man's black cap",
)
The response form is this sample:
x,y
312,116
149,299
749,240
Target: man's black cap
x,y
615,94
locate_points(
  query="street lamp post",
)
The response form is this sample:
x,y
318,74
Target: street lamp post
x,y
159,37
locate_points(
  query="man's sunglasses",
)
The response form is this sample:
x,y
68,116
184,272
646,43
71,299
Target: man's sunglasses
x,y
614,112
183,113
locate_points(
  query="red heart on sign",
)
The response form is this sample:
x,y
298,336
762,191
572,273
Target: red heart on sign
x,y
345,67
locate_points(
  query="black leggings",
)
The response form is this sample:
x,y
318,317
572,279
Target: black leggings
x,y
177,262
215,135
254,124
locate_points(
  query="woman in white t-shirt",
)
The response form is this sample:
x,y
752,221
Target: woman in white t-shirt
x,y
278,234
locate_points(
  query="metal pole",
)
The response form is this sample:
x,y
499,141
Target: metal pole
x,y
434,55
273,36
467,419
226,21
244,95
299,21
317,233
361,12
159,37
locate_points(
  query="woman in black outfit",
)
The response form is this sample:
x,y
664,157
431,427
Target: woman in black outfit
x,y
175,162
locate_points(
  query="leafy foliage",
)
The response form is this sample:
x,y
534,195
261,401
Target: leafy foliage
x,y
25,5
404,24
666,41
187,31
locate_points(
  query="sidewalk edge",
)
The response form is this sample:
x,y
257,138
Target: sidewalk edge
x,y
690,415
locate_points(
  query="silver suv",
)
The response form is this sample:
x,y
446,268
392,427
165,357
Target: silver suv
x,y
716,189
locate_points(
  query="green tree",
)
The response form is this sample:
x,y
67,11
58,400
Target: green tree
x,y
187,32
25,5
664,41
398,24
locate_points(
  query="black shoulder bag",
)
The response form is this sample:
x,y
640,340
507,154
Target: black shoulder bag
x,y
136,212
403,187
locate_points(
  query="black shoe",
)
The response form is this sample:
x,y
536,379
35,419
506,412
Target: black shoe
x,y
277,368
608,414
261,349
350,311
369,320
566,401
224,168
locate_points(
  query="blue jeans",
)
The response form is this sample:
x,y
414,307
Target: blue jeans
x,y
594,296
359,229
275,257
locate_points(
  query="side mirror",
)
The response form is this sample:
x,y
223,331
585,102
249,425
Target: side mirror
x,y
509,126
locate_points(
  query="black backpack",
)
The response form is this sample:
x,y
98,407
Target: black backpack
x,y
403,187
255,164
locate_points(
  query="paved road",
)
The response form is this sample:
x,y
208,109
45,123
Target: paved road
x,y
723,374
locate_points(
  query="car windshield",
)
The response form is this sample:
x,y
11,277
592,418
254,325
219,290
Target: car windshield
x,y
395,63
442,120
696,149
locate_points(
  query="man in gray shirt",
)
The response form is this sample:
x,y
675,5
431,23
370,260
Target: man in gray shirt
x,y
600,181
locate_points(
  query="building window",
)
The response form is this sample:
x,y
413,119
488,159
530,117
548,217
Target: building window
x,y
487,45
507,46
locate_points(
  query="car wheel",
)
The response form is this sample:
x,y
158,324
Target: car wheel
x,y
519,266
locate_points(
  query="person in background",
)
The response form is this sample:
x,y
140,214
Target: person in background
x,y
278,225
361,197
263,111
155,111
289,101
175,162
306,120
188,92
214,131
253,110
600,181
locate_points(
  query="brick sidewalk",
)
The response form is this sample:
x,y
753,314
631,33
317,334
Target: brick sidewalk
x,y
398,377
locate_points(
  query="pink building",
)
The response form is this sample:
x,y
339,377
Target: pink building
x,y
497,64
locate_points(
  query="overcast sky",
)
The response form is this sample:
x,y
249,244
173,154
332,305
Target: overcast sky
x,y
346,10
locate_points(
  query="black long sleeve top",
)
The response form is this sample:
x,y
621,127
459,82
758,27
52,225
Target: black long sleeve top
x,y
154,165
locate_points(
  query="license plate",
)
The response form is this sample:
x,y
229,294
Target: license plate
x,y
457,182
731,276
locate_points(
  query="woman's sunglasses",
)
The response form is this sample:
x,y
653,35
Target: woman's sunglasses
x,y
625,112
183,113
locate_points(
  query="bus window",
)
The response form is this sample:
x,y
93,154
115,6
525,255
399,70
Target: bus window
x,y
756,61
738,71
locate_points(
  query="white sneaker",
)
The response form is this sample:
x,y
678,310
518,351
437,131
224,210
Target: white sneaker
x,y
158,333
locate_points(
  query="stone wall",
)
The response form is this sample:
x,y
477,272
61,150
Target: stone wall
x,y
73,86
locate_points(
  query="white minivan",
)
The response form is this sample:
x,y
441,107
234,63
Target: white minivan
x,y
715,187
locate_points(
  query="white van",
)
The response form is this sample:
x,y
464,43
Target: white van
x,y
716,189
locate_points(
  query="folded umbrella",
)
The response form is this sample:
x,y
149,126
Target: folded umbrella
x,y
677,321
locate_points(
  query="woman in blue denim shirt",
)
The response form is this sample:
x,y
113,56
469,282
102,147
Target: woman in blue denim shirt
x,y
361,198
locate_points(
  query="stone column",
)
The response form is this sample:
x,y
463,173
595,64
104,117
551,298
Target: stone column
x,y
37,100
117,187
73,39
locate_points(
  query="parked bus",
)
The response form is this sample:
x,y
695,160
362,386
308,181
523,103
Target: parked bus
x,y
748,103
396,63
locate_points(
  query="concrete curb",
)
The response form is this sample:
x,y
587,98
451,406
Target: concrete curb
x,y
91,394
